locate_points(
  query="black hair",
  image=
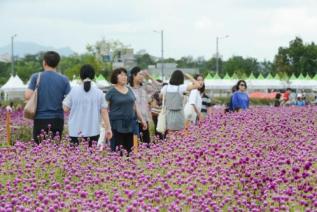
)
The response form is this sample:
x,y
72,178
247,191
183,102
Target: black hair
x,y
202,89
156,97
177,78
115,73
87,71
234,88
51,59
198,75
134,71
241,81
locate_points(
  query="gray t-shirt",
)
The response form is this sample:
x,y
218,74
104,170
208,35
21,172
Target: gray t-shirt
x,y
85,111
121,110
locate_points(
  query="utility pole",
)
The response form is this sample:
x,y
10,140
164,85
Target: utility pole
x,y
217,51
162,52
12,55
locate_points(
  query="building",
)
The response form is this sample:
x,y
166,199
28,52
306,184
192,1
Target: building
x,y
125,58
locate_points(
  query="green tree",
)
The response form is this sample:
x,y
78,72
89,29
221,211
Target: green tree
x,y
241,66
28,65
265,67
70,66
106,47
144,60
297,58
211,64
170,60
186,62
5,72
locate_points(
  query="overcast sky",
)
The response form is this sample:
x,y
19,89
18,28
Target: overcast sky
x,y
256,28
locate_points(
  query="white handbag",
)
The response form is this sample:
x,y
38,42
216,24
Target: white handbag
x,y
29,111
161,119
189,112
101,141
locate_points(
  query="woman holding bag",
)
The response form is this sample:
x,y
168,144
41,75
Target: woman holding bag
x,y
122,111
173,95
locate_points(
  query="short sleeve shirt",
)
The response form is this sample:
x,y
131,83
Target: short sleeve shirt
x,y
53,87
143,96
85,111
121,110
195,99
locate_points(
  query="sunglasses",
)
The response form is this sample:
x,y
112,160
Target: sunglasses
x,y
242,85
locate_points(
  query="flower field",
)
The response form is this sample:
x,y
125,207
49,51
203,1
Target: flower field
x,y
20,127
264,159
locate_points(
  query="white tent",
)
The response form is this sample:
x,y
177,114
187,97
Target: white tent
x,y
101,82
14,88
77,82
216,83
263,84
303,84
74,82
220,84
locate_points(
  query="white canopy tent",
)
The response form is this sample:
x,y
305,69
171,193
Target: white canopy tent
x,y
264,84
74,82
77,82
14,88
101,82
303,84
220,84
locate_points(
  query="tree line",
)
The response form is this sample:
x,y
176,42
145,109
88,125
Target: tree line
x,y
297,58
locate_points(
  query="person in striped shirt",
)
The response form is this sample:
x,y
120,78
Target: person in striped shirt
x,y
206,101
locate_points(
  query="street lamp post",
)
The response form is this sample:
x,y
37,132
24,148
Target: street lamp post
x,y
217,51
12,55
162,52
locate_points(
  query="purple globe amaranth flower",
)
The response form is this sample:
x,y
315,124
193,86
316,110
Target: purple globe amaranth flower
x,y
239,164
307,165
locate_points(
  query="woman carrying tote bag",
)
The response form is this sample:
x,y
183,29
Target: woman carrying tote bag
x,y
173,102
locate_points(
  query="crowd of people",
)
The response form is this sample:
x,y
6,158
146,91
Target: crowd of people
x,y
127,110
291,98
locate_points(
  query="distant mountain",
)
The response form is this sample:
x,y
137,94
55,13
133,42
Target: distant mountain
x,y
23,48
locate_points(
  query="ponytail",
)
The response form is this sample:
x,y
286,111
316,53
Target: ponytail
x,y
87,73
87,85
